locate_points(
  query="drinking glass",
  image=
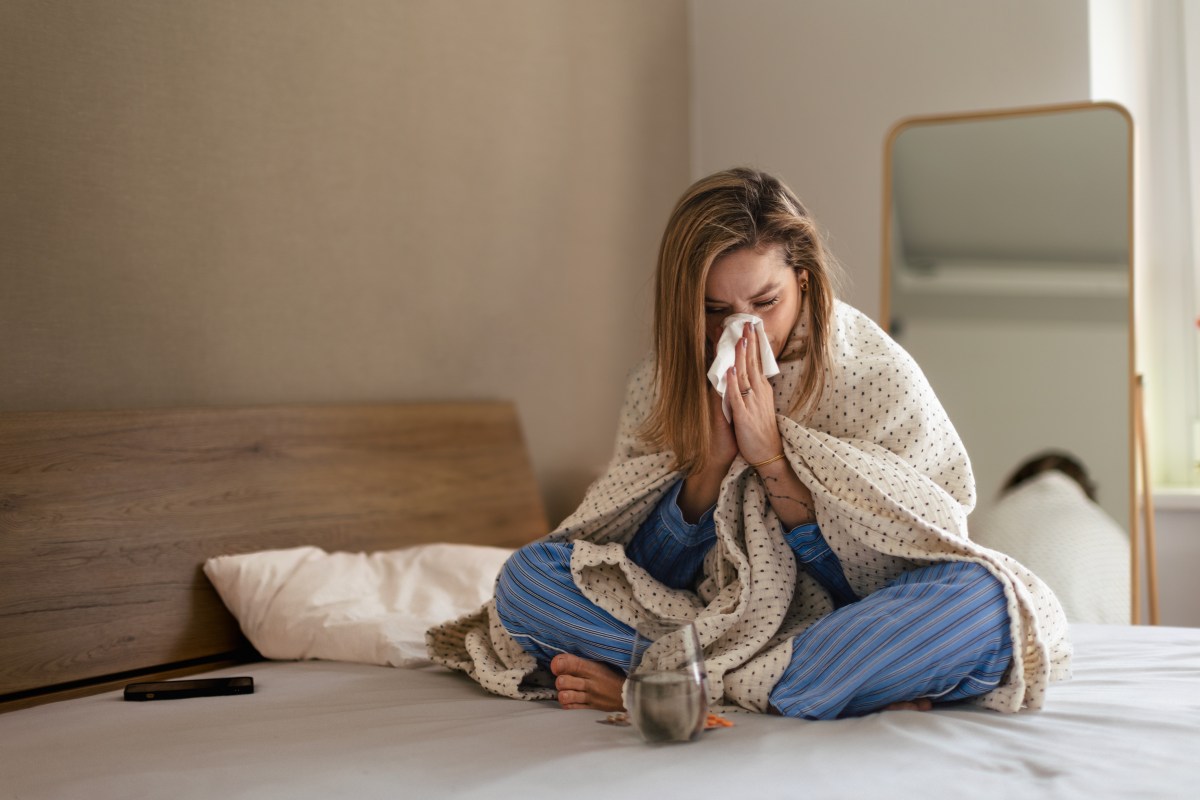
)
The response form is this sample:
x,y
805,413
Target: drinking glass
x,y
666,685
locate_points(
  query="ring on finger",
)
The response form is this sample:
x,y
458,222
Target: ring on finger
x,y
745,392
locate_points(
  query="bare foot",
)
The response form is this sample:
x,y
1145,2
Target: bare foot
x,y
586,684
920,704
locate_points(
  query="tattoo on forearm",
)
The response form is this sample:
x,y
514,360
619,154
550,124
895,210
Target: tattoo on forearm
x,y
775,492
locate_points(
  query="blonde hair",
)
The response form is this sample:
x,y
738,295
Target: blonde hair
x,y
730,210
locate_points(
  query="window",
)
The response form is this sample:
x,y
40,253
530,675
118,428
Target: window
x,y
1145,54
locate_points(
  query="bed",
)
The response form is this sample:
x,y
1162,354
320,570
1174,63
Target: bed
x,y
106,520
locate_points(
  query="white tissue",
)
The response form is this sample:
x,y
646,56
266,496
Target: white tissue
x,y
727,354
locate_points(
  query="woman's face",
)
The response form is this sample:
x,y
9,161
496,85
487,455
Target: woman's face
x,y
753,281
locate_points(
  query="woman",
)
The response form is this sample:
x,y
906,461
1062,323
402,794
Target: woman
x,y
816,534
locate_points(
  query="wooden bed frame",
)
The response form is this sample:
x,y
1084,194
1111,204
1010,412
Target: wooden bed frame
x,y
107,517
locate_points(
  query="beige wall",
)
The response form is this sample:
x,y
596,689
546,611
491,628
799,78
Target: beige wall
x,y
810,89
297,201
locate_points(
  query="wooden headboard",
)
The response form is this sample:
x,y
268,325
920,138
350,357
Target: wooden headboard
x,y
107,517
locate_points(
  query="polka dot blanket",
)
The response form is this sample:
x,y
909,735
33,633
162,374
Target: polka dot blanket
x,y
892,486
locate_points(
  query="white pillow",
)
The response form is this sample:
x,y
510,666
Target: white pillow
x,y
373,608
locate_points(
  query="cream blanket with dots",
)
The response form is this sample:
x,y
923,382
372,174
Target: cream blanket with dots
x,y
892,486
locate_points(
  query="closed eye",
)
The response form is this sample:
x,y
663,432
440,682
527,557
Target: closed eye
x,y
757,304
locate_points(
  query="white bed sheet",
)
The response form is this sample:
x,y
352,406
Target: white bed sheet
x,y
1128,724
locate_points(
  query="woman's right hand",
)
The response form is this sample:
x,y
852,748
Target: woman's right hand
x,y
722,445
701,487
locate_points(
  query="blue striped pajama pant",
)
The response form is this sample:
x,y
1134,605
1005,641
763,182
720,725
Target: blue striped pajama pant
x,y
938,632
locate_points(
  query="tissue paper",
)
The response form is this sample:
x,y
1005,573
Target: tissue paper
x,y
726,356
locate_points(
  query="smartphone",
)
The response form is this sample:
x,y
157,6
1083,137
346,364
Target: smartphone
x,y
198,687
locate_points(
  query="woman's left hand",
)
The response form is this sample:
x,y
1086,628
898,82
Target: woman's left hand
x,y
752,402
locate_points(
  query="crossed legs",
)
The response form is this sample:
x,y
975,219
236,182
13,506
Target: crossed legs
x,y
936,633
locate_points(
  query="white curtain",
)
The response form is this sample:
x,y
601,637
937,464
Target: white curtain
x,y
1145,54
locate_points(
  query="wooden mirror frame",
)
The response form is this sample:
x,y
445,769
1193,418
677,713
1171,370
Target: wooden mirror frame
x,y
1140,498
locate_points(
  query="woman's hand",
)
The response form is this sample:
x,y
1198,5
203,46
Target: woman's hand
x,y
701,487
752,401
723,446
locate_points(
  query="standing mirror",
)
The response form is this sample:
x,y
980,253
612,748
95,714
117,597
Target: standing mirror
x,y
1008,277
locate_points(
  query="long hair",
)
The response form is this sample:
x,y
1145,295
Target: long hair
x,y
727,211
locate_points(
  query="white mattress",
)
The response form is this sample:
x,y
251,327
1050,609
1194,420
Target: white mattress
x,y
1127,724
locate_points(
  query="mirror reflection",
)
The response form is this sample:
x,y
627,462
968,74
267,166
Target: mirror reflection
x,y
1008,278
